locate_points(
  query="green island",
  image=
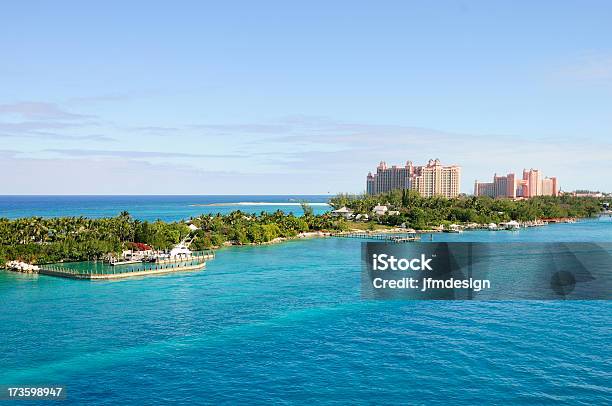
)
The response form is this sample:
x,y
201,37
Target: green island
x,y
38,240
423,213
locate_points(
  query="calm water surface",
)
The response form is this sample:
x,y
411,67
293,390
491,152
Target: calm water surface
x,y
286,324
167,208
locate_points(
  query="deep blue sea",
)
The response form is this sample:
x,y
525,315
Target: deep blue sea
x,y
286,324
167,208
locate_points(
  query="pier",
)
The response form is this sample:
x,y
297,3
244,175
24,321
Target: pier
x,y
104,271
380,236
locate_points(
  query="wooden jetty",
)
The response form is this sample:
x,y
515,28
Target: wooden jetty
x,y
407,237
201,256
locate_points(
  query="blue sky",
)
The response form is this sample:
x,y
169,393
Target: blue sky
x,y
277,97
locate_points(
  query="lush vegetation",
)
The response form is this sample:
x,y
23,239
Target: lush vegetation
x,y
421,213
242,228
40,240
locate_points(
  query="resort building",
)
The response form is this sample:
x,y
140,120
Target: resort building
x,y
549,187
531,184
484,189
433,179
343,212
380,210
386,179
587,193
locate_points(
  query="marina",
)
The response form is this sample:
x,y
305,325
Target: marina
x,y
102,270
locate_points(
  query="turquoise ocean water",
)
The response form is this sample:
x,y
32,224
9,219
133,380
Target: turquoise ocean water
x,y
286,324
167,208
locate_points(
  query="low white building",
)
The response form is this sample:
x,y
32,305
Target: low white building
x,y
380,210
362,217
343,212
193,227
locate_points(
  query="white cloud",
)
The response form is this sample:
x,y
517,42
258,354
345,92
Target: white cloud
x,y
121,176
45,121
298,154
74,152
38,110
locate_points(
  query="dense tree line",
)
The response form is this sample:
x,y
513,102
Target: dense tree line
x,y
45,240
243,228
421,212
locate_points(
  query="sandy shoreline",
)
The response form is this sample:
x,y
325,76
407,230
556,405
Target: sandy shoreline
x,y
321,234
301,236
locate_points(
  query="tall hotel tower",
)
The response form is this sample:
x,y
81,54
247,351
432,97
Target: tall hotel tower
x,y
433,179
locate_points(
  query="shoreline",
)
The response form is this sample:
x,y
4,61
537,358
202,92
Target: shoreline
x,y
396,230
301,236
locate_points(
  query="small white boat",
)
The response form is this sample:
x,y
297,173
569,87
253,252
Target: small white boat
x,y
511,225
453,228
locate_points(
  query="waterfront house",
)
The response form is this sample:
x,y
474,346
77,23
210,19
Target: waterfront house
x,y
362,217
137,252
344,212
380,210
193,227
